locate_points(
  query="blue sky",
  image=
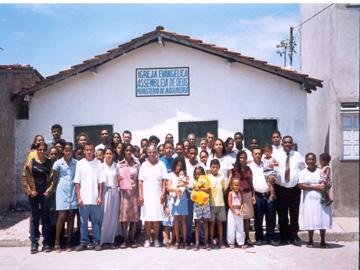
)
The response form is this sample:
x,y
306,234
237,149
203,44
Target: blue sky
x,y
54,37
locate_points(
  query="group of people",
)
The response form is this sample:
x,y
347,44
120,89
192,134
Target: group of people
x,y
119,186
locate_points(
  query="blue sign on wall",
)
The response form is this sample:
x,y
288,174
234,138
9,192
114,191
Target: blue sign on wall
x,y
162,82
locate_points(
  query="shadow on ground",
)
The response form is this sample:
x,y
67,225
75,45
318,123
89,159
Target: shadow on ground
x,y
10,218
328,246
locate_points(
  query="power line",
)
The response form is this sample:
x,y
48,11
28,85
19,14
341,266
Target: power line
x,y
298,26
314,15
291,42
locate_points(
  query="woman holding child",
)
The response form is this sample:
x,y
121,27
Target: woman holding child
x,y
316,216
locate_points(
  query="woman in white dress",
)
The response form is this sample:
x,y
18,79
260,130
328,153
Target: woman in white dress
x,y
111,199
316,216
152,176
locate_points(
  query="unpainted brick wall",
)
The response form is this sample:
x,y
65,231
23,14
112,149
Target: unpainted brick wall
x,y
12,80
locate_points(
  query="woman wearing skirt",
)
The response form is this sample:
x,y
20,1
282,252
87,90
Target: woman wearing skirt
x,y
316,216
129,210
111,199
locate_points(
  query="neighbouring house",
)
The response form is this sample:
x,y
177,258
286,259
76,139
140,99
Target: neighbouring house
x,y
330,51
14,143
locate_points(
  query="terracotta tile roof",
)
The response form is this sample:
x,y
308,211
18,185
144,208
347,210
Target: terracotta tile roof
x,y
160,35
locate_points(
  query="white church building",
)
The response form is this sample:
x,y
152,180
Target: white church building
x,y
163,82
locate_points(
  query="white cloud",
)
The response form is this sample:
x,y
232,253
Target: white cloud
x,y
256,37
42,9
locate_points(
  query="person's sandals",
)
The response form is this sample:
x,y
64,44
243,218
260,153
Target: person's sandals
x,y
208,247
133,244
232,246
310,244
68,247
123,245
249,243
186,246
157,243
147,244
57,248
177,245
196,247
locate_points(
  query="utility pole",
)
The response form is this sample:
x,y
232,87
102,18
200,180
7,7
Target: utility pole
x,y
292,45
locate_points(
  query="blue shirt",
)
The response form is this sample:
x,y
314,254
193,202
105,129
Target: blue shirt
x,y
168,163
65,190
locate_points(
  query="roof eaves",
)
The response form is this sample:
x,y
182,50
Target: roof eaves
x,y
307,82
90,63
233,56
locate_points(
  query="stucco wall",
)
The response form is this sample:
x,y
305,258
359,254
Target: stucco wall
x,y
330,51
218,91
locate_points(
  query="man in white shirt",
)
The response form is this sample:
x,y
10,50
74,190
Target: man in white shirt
x,y
202,145
263,206
191,138
210,138
276,144
56,132
127,137
239,145
88,188
192,163
105,139
287,191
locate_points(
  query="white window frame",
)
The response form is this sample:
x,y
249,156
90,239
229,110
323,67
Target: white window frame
x,y
351,111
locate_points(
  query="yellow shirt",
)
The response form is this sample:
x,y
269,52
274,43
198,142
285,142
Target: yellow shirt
x,y
217,190
32,155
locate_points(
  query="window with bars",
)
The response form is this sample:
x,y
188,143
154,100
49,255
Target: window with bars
x,y
350,130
